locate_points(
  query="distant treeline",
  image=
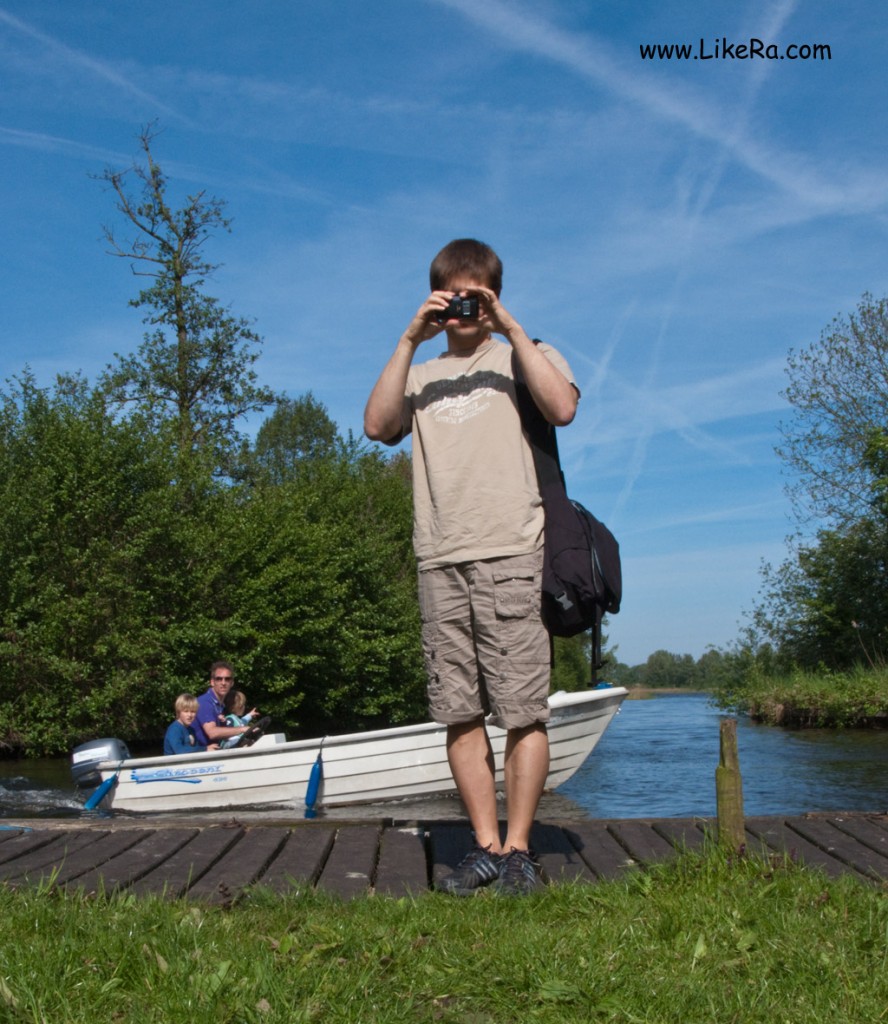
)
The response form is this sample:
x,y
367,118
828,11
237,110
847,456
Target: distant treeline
x,y
713,671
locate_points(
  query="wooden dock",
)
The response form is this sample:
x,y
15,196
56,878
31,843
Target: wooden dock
x,y
219,863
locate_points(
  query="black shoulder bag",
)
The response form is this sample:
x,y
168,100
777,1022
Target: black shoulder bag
x,y
582,577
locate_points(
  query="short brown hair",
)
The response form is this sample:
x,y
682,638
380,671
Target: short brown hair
x,y
466,257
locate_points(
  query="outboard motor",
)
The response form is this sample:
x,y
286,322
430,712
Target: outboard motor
x,y
86,758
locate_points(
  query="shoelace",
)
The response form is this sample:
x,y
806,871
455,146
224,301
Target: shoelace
x,y
518,864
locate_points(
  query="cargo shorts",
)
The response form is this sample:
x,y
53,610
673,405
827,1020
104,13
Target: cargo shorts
x,y
486,649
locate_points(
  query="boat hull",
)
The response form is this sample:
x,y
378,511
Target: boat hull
x,y
388,764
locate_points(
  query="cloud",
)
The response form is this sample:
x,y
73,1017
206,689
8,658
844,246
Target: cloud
x,y
684,408
677,104
45,143
83,62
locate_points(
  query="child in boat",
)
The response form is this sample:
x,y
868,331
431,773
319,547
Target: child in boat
x,y
236,714
180,737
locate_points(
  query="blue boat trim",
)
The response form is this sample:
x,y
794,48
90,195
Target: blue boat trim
x,y
176,774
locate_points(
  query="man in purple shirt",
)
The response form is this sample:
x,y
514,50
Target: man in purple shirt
x,y
209,726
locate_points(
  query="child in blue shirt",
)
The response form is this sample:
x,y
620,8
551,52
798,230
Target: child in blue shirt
x,y
180,736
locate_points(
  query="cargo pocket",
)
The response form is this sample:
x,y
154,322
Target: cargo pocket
x,y
521,638
516,596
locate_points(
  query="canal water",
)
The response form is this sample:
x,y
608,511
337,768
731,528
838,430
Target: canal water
x,y
657,759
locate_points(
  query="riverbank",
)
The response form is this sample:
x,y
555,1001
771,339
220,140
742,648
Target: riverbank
x,y
705,937
854,699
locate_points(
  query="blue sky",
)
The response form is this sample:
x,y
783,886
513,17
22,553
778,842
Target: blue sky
x,y
675,227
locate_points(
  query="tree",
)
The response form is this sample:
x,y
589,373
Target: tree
x,y
297,430
838,389
112,601
572,668
876,459
828,604
665,670
194,369
105,590
322,595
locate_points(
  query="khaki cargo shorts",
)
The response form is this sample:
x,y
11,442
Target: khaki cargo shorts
x,y
485,646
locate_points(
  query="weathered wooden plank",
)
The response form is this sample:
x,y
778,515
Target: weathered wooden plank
x,y
642,841
189,863
23,844
599,849
121,871
872,832
41,862
403,867
686,834
10,831
557,856
349,869
841,845
776,835
85,859
300,859
239,866
219,863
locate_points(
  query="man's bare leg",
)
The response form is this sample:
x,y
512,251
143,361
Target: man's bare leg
x,y
526,768
471,761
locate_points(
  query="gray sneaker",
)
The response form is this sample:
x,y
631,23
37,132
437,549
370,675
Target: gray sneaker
x,y
519,874
478,868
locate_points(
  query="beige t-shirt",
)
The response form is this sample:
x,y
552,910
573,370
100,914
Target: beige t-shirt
x,y
475,492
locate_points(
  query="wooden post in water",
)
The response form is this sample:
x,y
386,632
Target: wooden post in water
x,y
729,788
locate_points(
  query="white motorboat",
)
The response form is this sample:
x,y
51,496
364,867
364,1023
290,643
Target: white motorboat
x,y
369,767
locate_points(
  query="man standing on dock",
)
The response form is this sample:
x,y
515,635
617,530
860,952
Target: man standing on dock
x,y
478,538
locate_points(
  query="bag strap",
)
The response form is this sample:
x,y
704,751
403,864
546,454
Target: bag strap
x,y
544,445
540,433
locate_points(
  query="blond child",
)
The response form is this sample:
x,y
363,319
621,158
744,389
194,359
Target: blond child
x,y
180,737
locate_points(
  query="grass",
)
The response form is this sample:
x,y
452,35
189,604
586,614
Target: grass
x,y
701,939
858,697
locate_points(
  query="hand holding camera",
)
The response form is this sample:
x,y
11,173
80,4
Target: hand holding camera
x,y
461,307
471,304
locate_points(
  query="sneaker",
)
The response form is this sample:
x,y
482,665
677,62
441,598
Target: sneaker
x,y
519,874
478,868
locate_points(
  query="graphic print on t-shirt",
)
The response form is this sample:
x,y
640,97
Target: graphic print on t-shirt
x,y
458,399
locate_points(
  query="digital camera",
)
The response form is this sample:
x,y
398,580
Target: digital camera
x,y
462,307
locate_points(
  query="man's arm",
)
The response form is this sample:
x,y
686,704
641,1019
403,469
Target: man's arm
x,y
556,397
382,415
216,732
